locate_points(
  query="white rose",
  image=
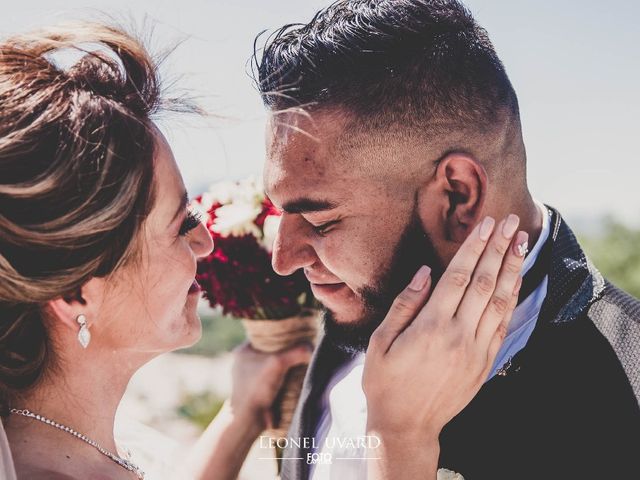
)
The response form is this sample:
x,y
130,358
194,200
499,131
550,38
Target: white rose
x,y
248,190
237,219
270,229
444,474
221,192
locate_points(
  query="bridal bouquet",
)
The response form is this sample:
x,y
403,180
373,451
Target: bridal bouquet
x,y
276,312
238,276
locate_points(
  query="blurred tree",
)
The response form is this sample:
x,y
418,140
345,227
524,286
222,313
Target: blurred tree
x,y
616,253
200,408
220,334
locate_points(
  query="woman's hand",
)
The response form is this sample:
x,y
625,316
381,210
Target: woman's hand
x,y
427,360
257,378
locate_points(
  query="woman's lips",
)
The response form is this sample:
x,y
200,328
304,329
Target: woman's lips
x,y
195,287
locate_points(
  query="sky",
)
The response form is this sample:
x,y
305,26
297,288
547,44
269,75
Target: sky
x,y
575,66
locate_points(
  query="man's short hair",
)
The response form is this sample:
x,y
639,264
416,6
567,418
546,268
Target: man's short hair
x,y
415,63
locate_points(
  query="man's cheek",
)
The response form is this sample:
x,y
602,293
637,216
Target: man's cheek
x,y
350,256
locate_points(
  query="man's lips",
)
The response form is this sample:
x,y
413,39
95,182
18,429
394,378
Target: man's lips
x,y
326,290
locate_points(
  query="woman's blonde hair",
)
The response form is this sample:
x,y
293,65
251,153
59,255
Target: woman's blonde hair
x,y
76,176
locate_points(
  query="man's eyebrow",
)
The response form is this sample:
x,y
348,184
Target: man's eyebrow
x,y
184,201
308,205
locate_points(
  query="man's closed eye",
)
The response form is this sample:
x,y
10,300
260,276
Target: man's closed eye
x,y
324,228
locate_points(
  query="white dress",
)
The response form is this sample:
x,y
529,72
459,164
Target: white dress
x,y
7,469
153,452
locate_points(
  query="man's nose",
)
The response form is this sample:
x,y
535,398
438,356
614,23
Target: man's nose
x,y
291,251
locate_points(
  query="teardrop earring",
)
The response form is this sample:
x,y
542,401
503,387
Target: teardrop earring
x,y
84,336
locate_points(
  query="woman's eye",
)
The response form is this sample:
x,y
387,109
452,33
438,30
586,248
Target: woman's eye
x,y
191,221
323,229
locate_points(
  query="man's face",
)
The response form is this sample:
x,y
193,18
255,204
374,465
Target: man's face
x,y
349,221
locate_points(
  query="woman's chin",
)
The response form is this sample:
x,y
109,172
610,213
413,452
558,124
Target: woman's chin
x,y
196,334
193,330
185,330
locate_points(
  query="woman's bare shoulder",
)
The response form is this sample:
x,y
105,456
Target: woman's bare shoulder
x,y
33,472
45,475
39,472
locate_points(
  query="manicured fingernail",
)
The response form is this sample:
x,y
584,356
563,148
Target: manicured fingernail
x,y
486,228
510,225
521,245
420,278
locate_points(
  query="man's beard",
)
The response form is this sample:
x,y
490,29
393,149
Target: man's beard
x,y
413,250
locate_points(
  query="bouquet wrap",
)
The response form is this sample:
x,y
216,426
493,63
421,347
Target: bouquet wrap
x,y
271,336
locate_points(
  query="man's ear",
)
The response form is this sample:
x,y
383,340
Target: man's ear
x,y
86,300
462,182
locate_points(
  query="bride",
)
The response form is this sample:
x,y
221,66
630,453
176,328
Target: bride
x,y
98,255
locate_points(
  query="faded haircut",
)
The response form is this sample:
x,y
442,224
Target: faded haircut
x,y
417,64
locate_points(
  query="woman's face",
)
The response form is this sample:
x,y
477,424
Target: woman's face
x,y
150,305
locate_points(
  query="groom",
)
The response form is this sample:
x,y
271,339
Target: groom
x,y
393,130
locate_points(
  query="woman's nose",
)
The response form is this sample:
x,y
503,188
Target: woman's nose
x,y
202,243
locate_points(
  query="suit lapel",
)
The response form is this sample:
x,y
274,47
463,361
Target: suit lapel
x,y
574,283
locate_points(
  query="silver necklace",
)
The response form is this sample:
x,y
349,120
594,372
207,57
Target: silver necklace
x,y
123,462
